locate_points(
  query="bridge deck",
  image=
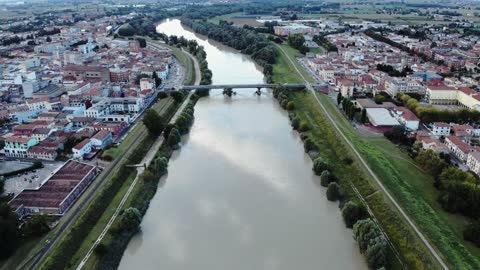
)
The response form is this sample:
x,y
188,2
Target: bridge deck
x,y
238,86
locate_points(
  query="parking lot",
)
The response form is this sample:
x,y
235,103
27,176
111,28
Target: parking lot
x,y
29,180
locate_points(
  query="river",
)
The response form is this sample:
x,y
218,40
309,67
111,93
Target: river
x,y
240,193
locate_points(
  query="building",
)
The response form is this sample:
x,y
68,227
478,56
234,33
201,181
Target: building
x,y
16,146
441,129
102,139
433,144
381,117
295,29
58,193
407,118
446,95
38,152
458,147
81,149
473,162
93,73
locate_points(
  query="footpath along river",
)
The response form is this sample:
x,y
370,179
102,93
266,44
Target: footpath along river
x,y
240,194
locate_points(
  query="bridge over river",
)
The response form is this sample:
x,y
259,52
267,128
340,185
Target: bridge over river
x,y
241,86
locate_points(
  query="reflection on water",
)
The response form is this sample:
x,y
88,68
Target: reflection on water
x,y
241,195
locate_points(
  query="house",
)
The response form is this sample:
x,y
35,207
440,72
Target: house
x,y
433,144
81,149
38,152
473,162
102,139
458,147
407,118
16,146
441,129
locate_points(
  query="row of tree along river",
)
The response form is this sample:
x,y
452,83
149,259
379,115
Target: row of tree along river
x,y
240,194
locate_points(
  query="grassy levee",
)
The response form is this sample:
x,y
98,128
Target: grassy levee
x,y
414,190
68,245
410,186
412,252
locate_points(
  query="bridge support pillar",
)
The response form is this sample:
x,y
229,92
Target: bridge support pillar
x,y
258,92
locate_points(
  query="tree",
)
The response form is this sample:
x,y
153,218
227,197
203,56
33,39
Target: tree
x,y
37,225
160,165
8,231
319,165
295,123
177,96
325,178
339,98
379,99
351,213
126,31
167,130
372,242
364,116
303,126
430,161
49,39
142,42
148,176
333,191
309,145
154,122
131,219
291,106
472,233
157,79
174,138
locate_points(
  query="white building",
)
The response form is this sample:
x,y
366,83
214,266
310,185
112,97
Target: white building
x,y
473,162
441,129
81,149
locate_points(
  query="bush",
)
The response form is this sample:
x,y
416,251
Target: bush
x,y
309,145
472,233
291,106
325,178
162,95
148,176
174,138
177,96
372,243
101,250
106,157
131,219
284,103
352,212
319,165
295,123
303,126
333,192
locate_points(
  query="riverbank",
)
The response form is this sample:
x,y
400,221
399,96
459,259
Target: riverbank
x,y
405,182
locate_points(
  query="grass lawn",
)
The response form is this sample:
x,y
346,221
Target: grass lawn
x,y
316,50
283,71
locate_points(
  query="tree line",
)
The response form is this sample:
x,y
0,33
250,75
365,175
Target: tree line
x,y
247,41
459,190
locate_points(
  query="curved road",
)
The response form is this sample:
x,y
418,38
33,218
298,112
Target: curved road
x,y
374,176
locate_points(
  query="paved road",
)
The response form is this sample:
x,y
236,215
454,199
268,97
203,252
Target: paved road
x,y
146,160
374,176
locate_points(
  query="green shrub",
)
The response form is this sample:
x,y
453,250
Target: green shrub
x,y
352,212
333,192
472,233
295,123
319,165
303,126
325,178
284,103
291,106
309,145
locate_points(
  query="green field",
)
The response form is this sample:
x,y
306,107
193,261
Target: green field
x,y
412,188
